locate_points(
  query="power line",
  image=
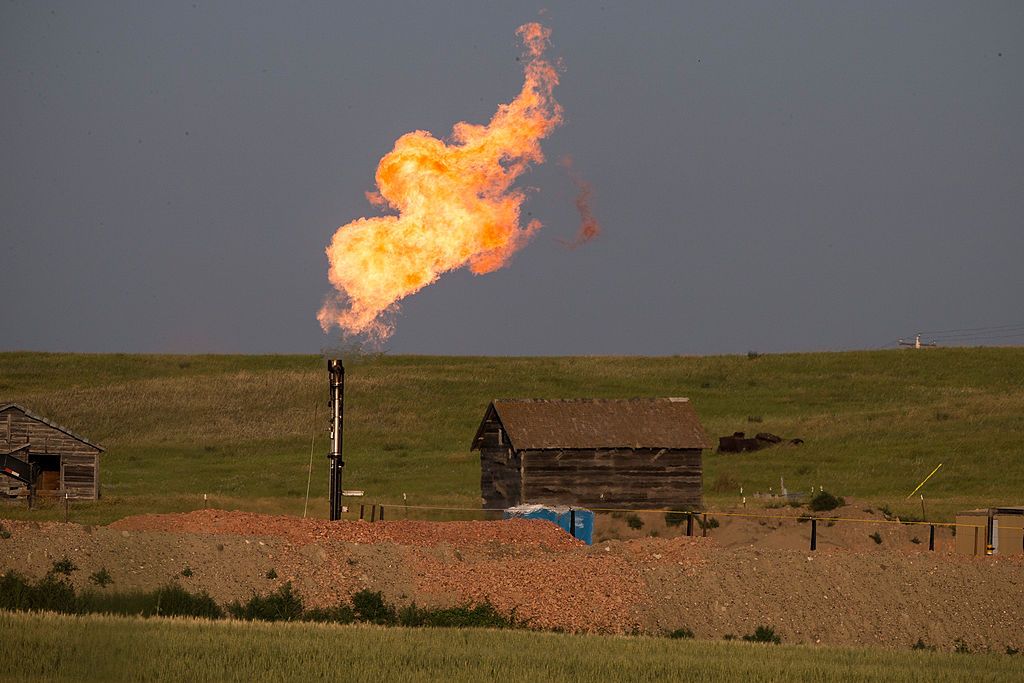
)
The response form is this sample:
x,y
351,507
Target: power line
x,y
1016,335
990,328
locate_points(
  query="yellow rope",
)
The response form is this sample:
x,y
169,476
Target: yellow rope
x,y
795,518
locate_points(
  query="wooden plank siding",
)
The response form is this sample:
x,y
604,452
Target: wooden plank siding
x,y
16,428
501,481
80,476
620,478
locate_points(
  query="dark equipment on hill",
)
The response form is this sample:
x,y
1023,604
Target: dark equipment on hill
x,y
336,373
17,468
739,443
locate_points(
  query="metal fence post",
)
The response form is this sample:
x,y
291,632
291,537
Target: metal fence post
x,y
931,537
814,533
382,512
373,512
704,526
362,509
572,521
689,524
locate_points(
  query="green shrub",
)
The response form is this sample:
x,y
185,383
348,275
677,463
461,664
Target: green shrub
x,y
173,600
763,634
370,606
634,522
876,537
284,604
824,501
680,633
101,578
55,594
960,647
64,566
709,523
4,533
271,574
921,645
187,571
49,593
674,518
168,601
483,615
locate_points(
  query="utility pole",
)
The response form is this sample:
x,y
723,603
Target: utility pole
x,y
917,343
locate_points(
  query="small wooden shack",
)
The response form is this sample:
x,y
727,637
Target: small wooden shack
x,y
597,453
52,459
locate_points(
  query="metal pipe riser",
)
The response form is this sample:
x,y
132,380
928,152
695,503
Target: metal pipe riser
x,y
336,374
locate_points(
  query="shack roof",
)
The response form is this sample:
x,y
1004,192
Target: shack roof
x,y
28,413
537,424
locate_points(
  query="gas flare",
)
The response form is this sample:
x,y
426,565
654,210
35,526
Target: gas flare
x,y
589,227
455,204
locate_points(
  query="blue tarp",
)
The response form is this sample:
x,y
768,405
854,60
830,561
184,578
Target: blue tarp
x,y
562,516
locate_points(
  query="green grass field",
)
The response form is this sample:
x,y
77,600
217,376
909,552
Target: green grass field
x,y
118,648
240,428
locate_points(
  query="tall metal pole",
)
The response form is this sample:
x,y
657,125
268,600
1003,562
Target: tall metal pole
x,y
336,371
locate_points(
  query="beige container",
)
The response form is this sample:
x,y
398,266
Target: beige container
x,y
1010,522
1005,525
971,532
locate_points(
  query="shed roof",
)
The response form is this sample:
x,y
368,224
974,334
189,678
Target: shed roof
x,y
49,423
597,423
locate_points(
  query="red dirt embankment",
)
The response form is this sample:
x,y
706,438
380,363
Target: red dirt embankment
x,y
517,533
834,596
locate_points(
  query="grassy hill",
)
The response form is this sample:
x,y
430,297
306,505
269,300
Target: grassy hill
x,y
241,428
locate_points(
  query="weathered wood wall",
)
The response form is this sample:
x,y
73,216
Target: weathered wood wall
x,y
500,471
500,478
17,428
80,476
621,478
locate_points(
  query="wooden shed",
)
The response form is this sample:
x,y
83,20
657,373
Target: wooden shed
x,y
52,459
597,453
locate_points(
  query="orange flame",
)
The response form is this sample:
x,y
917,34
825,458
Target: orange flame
x,y
455,204
589,227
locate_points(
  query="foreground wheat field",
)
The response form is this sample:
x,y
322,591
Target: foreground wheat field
x,y
112,648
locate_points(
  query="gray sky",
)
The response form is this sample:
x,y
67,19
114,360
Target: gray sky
x,y
769,176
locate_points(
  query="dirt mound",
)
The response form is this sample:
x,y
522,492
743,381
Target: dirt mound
x,y
889,594
524,533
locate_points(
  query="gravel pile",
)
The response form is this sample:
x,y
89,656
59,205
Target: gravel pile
x,y
880,596
522,533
